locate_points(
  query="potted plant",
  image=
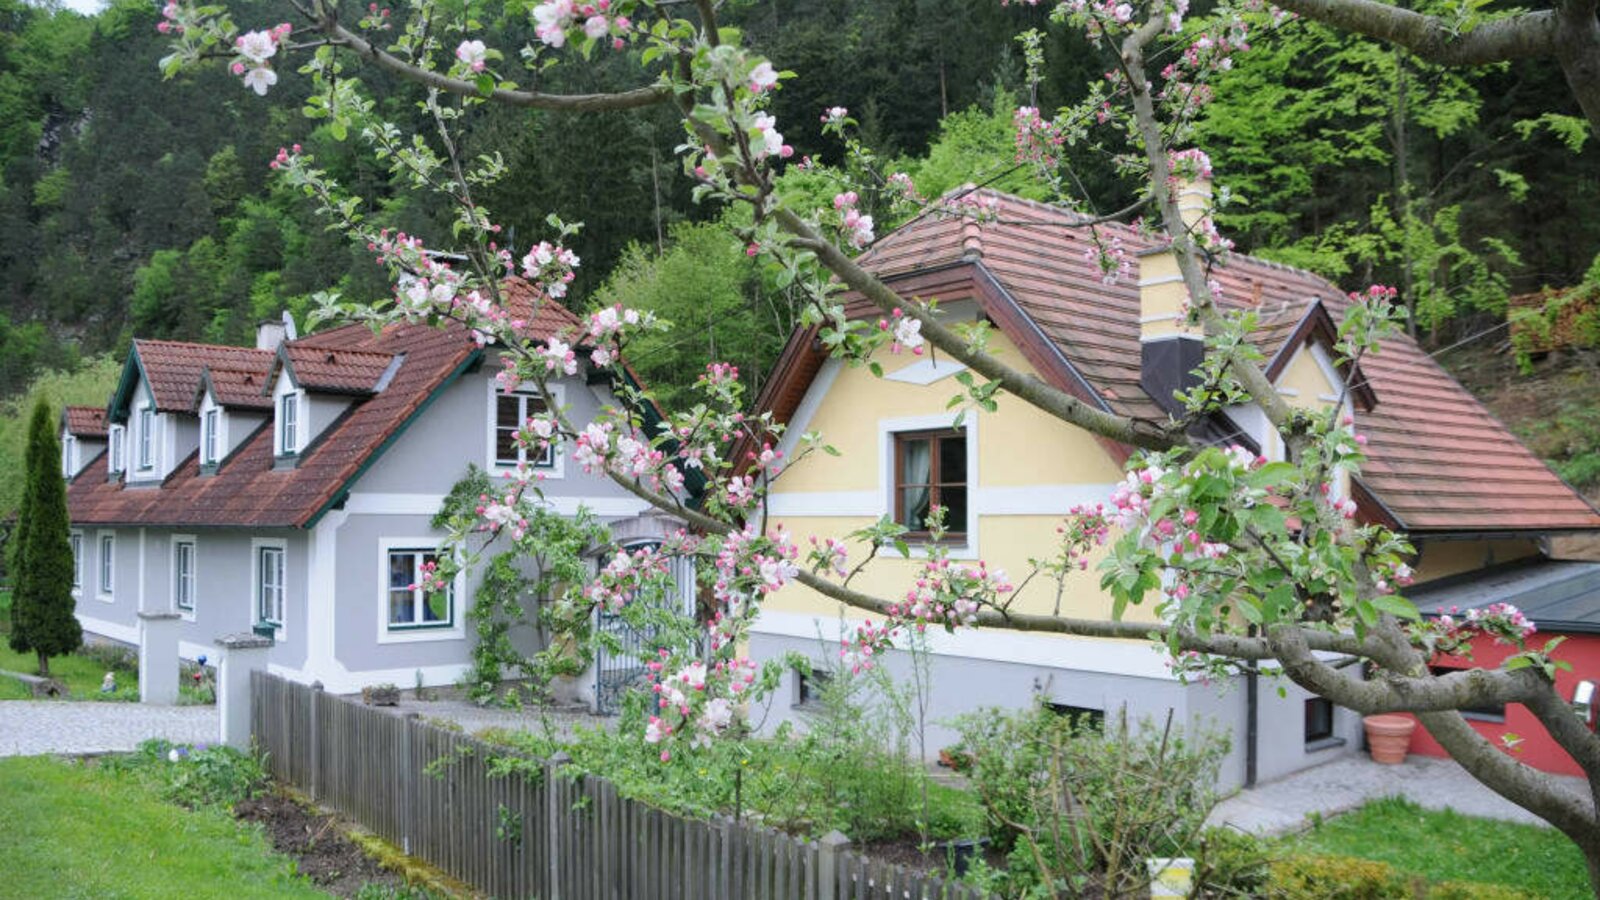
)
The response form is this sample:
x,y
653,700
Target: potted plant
x,y
1389,737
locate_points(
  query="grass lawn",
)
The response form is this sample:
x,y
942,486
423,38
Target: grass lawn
x,y
73,831
1448,846
81,674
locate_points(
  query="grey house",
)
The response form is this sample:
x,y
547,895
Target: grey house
x,y
289,488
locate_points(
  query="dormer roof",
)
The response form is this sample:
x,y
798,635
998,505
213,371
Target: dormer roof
x,y
235,388
333,370
172,370
85,422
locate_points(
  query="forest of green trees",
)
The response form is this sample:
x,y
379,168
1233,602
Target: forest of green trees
x,y
130,205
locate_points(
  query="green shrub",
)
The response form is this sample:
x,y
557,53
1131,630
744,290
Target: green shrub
x,y
1335,878
194,775
1231,863
1078,801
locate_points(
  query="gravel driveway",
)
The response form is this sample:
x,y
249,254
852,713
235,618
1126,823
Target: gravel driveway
x,y
32,727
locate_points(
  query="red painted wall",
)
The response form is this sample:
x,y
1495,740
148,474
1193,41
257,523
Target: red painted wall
x,y
1537,748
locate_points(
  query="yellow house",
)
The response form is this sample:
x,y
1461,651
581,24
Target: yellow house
x,y
1440,467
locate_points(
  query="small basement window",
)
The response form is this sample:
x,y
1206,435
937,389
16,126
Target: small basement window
x,y
809,685
1319,720
1086,718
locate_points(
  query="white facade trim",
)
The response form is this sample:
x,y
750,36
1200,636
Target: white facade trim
x,y
139,603
926,371
283,393
127,634
1128,658
1025,500
418,634
322,581
80,569
105,593
194,575
342,681
384,504
557,469
887,429
256,546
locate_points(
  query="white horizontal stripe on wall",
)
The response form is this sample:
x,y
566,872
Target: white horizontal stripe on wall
x,y
428,504
1030,500
128,634
1132,658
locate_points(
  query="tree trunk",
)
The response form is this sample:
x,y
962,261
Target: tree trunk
x,y
44,665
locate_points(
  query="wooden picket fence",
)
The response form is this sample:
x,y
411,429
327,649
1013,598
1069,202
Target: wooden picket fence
x,y
551,837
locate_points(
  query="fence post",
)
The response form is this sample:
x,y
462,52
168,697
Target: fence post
x,y
316,740
242,654
158,658
829,849
408,777
553,822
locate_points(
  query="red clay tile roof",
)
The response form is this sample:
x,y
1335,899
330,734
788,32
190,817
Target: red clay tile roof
x,y
173,368
239,389
86,421
248,491
1438,461
336,370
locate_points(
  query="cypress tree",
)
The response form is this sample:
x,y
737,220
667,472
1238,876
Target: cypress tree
x,y
42,617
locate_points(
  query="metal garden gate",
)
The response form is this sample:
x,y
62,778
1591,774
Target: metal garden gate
x,y
616,672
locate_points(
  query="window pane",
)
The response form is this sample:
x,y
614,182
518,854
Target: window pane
x,y
402,571
953,460
508,411
505,446
402,607
915,457
914,508
954,500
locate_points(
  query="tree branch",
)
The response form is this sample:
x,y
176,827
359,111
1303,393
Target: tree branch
x,y
632,99
1523,36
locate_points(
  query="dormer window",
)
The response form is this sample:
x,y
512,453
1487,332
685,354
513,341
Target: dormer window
x,y
210,440
289,423
146,438
69,456
114,459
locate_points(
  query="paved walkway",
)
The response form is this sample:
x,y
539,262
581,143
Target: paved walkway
x,y
1283,806
32,727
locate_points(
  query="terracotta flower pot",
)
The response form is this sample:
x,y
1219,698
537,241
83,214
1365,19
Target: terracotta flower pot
x,y
1389,738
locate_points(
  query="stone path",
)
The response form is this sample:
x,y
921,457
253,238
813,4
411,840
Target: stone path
x,y
473,719
1284,805
32,727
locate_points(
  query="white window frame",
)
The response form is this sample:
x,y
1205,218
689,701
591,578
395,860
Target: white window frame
x,y
180,541
146,437
116,444
556,467
69,456
887,429
210,436
75,539
408,634
290,435
106,563
257,545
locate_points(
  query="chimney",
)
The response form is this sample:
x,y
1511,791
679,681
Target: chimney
x,y
271,334
1170,347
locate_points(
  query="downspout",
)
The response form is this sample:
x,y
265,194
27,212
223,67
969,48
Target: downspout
x,y
1252,710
